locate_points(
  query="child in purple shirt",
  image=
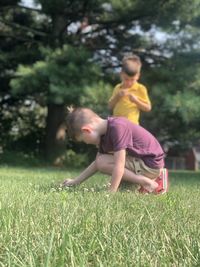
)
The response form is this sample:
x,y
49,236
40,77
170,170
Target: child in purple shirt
x,y
126,151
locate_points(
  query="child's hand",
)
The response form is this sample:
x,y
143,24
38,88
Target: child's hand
x,y
122,92
69,182
133,98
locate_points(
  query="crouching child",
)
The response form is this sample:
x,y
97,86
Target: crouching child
x,y
126,151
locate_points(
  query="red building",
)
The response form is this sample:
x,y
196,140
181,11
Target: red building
x,y
192,159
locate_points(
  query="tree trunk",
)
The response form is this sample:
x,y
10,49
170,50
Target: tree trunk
x,y
55,134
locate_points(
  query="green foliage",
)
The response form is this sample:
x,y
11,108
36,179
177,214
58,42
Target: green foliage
x,y
161,13
72,159
96,97
175,92
186,104
49,48
21,158
17,46
60,78
25,127
62,6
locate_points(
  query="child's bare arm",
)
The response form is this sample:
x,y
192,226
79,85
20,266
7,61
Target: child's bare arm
x,y
118,169
113,101
141,104
89,171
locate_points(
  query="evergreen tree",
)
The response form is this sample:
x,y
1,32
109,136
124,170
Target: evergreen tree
x,y
58,68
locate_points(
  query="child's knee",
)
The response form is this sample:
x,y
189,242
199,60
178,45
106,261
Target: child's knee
x,y
100,163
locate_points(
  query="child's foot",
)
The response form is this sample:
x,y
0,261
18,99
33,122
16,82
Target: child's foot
x,y
163,182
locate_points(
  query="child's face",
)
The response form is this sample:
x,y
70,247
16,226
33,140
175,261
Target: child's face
x,y
128,81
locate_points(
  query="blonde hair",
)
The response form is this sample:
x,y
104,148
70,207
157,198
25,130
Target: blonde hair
x,y
77,118
131,64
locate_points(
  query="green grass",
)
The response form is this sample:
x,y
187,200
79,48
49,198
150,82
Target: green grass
x,y
40,225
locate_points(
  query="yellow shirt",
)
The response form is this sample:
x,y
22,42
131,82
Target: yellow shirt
x,y
124,107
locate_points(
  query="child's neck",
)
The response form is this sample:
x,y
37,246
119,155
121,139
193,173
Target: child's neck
x,y
101,126
124,87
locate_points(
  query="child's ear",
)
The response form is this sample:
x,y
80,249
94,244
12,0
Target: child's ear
x,y
86,129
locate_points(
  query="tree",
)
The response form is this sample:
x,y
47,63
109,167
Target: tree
x,y
107,30
18,44
176,91
56,82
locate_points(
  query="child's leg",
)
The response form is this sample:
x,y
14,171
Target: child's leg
x,y
105,164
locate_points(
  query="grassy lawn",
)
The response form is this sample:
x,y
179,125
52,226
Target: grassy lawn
x,y
40,225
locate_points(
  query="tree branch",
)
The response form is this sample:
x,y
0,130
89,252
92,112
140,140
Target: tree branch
x,y
19,38
24,28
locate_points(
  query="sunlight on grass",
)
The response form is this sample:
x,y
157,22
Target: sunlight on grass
x,y
42,225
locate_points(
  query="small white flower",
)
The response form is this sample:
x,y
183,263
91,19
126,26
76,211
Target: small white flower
x,y
85,189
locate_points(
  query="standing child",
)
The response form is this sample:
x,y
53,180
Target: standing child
x,y
130,97
126,151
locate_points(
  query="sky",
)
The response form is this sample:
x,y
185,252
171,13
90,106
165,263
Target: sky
x,y
28,3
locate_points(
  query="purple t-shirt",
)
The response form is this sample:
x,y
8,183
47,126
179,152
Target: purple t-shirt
x,y
138,142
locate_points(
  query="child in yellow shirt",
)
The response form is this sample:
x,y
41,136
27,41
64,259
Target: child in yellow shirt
x,y
130,97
